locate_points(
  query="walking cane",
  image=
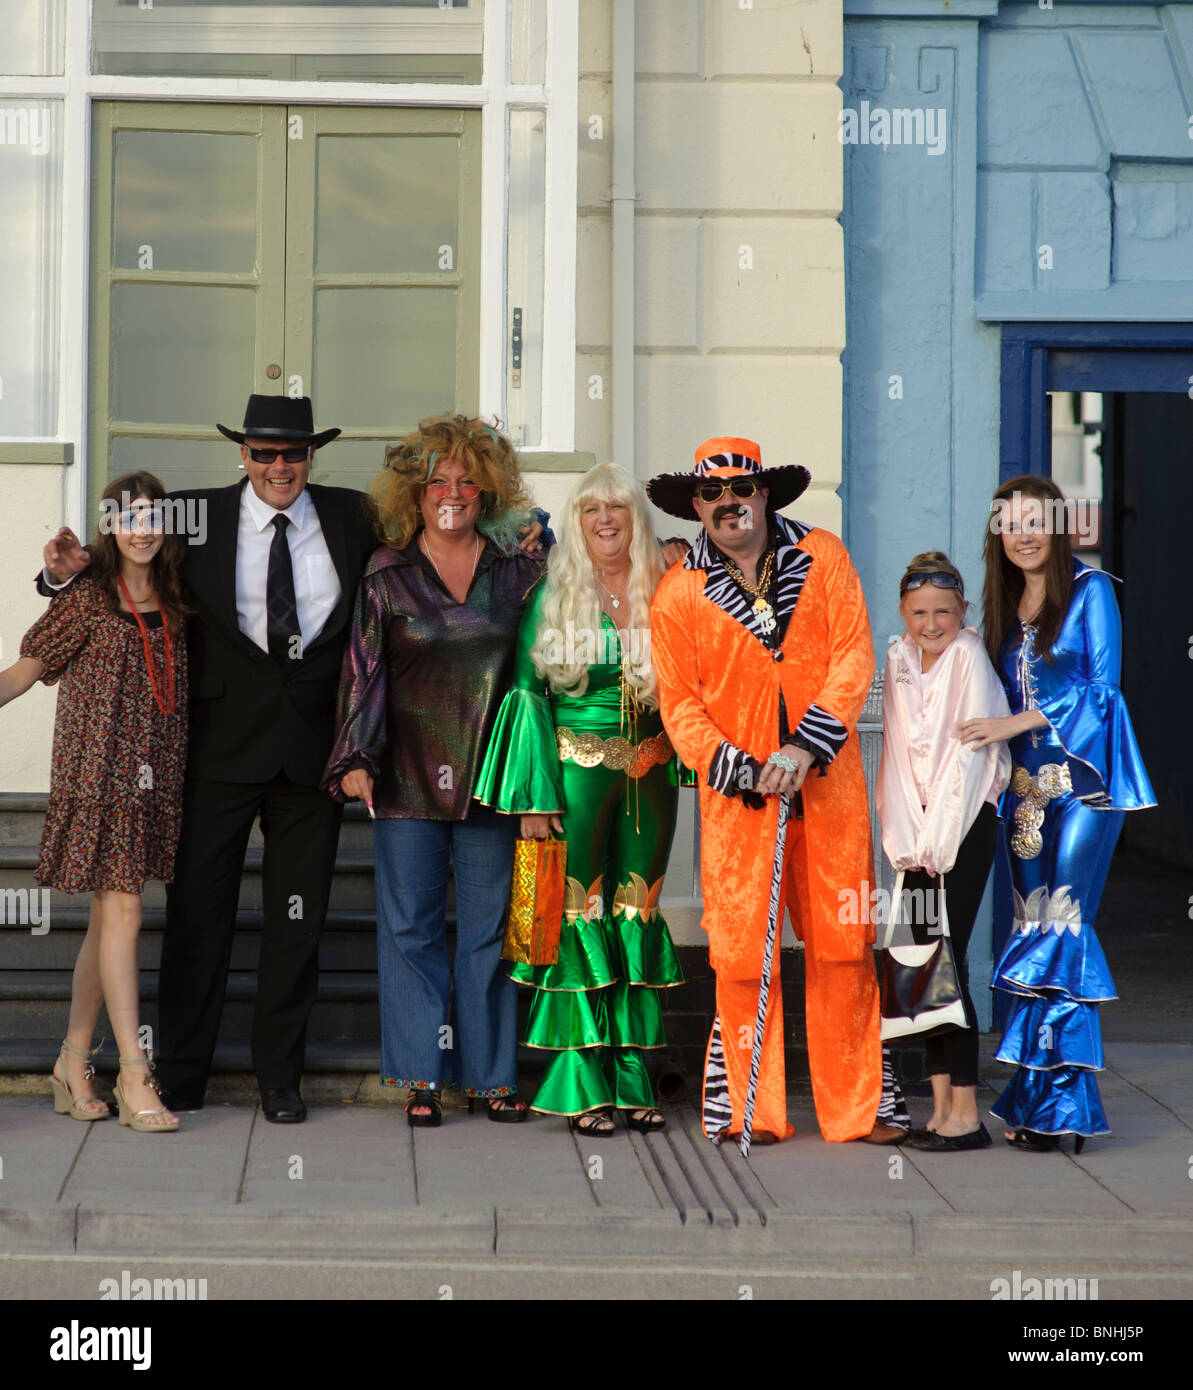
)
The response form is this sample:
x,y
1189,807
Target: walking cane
x,y
773,920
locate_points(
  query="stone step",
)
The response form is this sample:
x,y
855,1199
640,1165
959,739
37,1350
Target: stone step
x,y
349,940
351,889
23,813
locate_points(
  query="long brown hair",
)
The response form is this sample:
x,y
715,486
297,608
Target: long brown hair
x,y
1005,582
165,569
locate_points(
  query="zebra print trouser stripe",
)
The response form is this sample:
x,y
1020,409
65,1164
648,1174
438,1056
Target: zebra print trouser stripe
x,y
892,1108
718,1110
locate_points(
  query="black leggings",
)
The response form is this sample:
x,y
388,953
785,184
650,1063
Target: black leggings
x,y
955,1053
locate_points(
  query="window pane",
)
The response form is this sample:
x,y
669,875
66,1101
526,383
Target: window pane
x,y
30,232
386,203
334,40
32,39
528,41
185,200
180,353
524,355
179,463
385,357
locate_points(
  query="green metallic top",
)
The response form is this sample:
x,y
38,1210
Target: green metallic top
x,y
520,770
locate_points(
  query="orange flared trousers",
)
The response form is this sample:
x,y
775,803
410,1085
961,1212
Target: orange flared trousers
x,y
841,1006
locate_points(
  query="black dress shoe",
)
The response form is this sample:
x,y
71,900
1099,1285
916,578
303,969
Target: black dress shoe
x,y
283,1106
951,1143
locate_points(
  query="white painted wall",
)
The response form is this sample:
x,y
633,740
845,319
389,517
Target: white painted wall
x,y
32,504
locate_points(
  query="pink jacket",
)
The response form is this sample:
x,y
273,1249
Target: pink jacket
x,y
930,785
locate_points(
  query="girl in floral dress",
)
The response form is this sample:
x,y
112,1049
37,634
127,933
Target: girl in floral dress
x,y
115,639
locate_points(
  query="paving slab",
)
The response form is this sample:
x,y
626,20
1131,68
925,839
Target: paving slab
x,y
199,1165
319,1166
1162,1071
37,1150
472,1162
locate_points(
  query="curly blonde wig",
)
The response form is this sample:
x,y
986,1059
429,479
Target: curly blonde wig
x,y
491,463
573,600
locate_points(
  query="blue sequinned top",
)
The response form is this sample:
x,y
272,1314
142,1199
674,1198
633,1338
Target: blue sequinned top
x,y
1079,696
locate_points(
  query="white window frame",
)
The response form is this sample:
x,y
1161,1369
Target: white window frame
x,y
494,96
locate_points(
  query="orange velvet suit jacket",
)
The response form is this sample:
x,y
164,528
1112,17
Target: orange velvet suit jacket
x,y
719,685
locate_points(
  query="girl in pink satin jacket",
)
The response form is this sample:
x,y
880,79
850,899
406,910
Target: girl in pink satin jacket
x,y
937,799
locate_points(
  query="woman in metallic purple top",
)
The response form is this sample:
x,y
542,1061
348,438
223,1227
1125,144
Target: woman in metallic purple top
x,y
429,659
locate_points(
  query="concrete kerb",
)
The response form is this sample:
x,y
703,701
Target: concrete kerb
x,y
293,1235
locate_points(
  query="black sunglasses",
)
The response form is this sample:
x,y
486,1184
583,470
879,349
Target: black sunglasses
x,y
713,492
291,455
942,579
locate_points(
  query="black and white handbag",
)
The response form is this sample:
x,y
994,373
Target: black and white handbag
x,y
920,991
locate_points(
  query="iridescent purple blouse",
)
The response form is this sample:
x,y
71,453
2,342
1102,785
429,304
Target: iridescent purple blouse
x,y
423,677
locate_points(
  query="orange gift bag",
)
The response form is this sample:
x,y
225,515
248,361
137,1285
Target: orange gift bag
x,y
536,902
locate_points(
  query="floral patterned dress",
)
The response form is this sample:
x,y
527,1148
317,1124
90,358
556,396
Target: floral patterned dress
x,y
117,770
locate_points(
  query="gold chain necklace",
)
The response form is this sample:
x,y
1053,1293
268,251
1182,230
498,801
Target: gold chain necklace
x,y
766,614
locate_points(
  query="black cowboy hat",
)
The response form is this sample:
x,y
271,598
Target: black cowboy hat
x,y
279,417
727,456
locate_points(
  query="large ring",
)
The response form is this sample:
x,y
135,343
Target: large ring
x,y
783,761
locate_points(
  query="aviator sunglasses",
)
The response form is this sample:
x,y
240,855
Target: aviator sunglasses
x,y
739,487
291,455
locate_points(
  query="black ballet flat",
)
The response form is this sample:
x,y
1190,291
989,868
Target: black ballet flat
x,y
950,1143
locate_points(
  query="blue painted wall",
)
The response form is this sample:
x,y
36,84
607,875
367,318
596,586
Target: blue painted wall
x,y
1067,128
919,466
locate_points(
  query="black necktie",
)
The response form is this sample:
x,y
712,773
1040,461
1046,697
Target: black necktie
x,y
281,607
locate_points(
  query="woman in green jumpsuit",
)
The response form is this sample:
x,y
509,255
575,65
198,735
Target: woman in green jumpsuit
x,y
578,747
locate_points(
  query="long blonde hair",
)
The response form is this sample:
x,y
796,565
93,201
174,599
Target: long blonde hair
x,y
572,597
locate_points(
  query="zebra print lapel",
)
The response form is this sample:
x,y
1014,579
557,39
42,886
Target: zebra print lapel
x,y
791,569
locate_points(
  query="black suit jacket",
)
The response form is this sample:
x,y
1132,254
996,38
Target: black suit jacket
x,y
252,718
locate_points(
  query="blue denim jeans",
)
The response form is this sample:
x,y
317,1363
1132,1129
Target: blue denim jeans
x,y
437,1031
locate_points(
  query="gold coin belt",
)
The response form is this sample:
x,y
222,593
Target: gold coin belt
x,y
620,754
1051,781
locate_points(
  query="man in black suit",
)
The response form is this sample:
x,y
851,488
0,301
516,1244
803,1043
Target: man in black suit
x,y
272,578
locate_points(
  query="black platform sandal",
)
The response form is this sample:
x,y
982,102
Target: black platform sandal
x,y
507,1110
1031,1141
596,1124
647,1122
431,1101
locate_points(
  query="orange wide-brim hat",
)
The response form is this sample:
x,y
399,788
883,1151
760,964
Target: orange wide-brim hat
x,y
727,456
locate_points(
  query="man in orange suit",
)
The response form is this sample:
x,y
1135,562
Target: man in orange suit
x,y
762,647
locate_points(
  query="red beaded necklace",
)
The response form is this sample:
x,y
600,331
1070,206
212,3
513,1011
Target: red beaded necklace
x,y
167,705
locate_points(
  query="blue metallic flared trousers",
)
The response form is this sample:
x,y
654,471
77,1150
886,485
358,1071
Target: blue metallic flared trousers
x,y
1054,967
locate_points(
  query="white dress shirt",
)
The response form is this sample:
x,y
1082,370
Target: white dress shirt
x,y
316,584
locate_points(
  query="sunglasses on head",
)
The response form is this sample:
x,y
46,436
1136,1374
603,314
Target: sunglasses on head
x,y
941,579
739,487
298,454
